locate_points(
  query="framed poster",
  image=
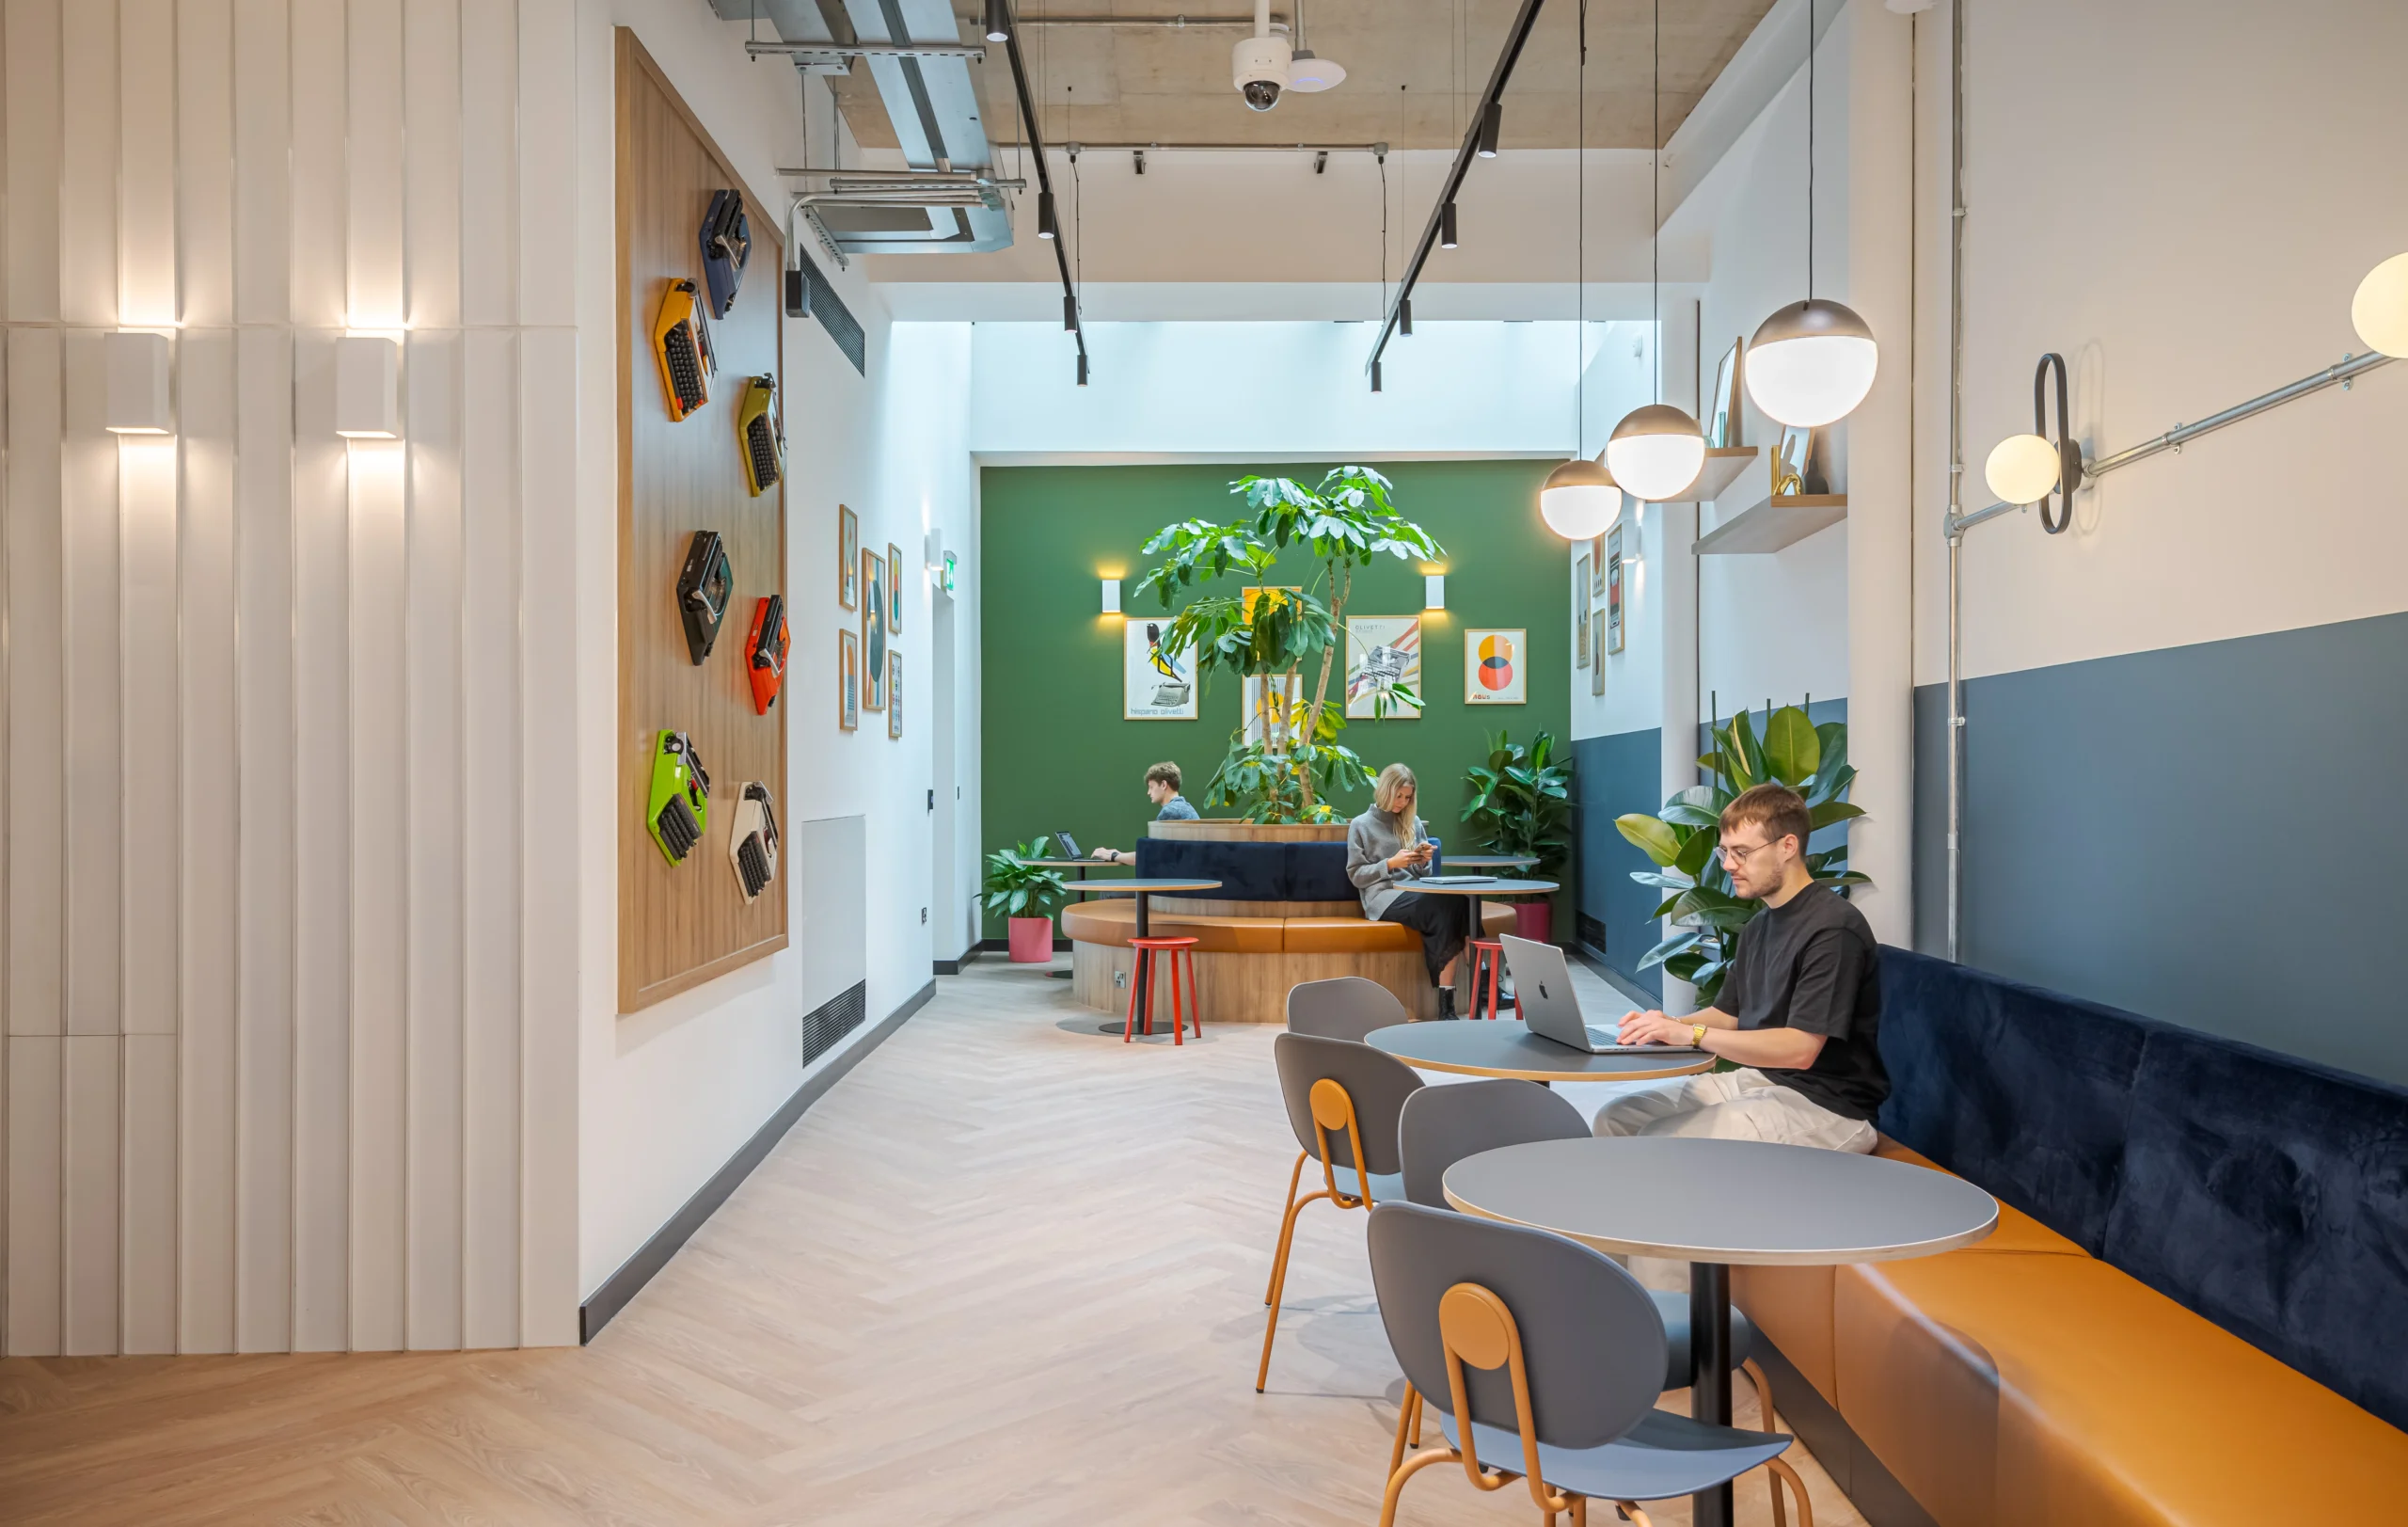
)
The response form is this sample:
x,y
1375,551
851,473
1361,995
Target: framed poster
x,y
1722,427
893,693
1582,602
1613,589
873,632
1495,673
848,681
1382,657
1269,705
1596,568
849,558
1597,657
1156,685
1794,467
894,589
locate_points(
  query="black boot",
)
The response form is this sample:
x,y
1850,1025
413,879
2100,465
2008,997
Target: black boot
x,y
1447,1002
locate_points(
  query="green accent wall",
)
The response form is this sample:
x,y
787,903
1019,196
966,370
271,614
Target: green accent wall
x,y
1060,756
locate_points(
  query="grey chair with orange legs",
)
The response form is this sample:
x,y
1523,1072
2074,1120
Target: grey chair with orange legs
x,y
1343,1099
1342,1007
1544,1361
1441,1125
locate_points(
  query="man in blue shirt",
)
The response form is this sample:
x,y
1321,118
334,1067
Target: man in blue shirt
x,y
1162,788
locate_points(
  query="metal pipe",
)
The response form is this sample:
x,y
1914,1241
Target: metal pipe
x,y
2342,372
1516,36
869,50
867,176
1279,24
1036,142
1956,526
1083,145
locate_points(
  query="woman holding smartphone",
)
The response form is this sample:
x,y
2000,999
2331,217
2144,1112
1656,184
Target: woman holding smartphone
x,y
1387,848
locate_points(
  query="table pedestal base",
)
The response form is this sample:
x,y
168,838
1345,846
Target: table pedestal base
x,y
1710,1374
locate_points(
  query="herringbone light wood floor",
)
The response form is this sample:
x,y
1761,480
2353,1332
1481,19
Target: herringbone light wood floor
x,y
1008,1272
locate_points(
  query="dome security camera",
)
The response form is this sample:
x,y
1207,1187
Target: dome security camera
x,y
1259,64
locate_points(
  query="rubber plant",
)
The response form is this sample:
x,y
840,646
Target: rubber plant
x,y
1025,895
1343,523
1810,759
1521,800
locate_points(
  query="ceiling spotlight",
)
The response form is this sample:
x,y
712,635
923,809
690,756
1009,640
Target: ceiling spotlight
x,y
1491,122
1309,73
1044,215
1810,363
1655,453
1405,317
1580,500
1447,226
1070,311
2379,311
999,20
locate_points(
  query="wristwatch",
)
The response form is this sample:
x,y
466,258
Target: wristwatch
x,y
1697,1036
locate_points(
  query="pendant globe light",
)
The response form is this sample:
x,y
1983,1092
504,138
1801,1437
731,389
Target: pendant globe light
x,y
1580,498
2379,312
1656,452
1812,362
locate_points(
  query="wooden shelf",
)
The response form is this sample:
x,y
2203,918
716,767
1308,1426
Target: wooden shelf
x,y
1772,523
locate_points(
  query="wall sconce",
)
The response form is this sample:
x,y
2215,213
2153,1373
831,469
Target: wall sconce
x,y
1433,591
138,401
1112,595
2030,469
367,388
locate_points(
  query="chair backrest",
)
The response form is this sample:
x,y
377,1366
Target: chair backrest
x,y
1592,1344
1441,1125
1342,1007
1378,1082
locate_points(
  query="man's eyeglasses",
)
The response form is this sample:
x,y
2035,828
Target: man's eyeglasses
x,y
1734,856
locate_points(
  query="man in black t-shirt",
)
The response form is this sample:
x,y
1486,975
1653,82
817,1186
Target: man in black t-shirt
x,y
1798,1011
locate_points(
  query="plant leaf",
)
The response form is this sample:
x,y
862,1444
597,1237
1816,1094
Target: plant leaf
x,y
1698,852
1831,811
1653,837
1792,750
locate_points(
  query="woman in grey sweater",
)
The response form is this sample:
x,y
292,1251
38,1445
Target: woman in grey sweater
x,y
1386,849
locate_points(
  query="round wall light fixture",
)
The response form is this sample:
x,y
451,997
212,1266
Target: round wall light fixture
x,y
1810,363
1655,453
2023,469
2379,311
1580,500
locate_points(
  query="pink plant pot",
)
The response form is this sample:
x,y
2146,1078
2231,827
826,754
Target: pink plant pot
x,y
1532,920
1032,940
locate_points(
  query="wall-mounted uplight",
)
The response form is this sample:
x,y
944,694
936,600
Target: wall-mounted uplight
x,y
138,394
2030,469
1433,591
1112,595
368,388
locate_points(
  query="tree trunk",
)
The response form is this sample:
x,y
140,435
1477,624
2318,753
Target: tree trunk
x,y
1340,586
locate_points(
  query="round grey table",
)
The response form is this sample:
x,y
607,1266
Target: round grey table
x,y
1714,1204
1142,889
1506,1047
1450,863
1493,886
1081,866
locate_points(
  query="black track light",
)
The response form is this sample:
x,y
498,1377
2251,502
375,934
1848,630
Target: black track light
x,y
1044,215
999,20
1405,317
1375,376
1083,371
1491,122
1070,311
1447,226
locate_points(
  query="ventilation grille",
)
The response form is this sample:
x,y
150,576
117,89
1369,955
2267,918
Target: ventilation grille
x,y
833,1020
1592,933
834,316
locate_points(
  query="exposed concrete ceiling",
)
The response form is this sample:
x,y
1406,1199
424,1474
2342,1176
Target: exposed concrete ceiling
x,y
1413,69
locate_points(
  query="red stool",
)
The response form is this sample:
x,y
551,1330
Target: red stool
x,y
1181,951
1488,955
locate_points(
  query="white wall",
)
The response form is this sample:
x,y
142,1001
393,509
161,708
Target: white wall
x,y
287,982
1622,376
2185,224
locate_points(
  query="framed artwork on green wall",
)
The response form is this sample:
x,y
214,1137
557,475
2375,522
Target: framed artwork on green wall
x,y
1580,598
1382,653
1154,685
1613,589
1495,673
1597,656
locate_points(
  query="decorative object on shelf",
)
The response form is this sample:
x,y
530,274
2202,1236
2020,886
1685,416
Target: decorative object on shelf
x,y
753,840
1520,801
765,652
2033,468
1383,667
702,590
1810,759
894,589
684,352
727,244
1156,684
849,558
1810,362
1493,672
1585,605
1796,468
848,681
894,694
1726,423
873,632
762,439
1025,895
1613,589
678,810
1597,657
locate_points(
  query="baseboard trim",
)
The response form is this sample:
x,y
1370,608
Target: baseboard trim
x,y
1003,946
633,1274
1615,979
953,968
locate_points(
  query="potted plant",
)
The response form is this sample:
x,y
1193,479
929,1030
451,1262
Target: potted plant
x,y
1344,523
1520,803
1025,895
1810,759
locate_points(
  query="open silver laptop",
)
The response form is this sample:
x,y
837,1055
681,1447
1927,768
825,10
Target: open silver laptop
x,y
1543,987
